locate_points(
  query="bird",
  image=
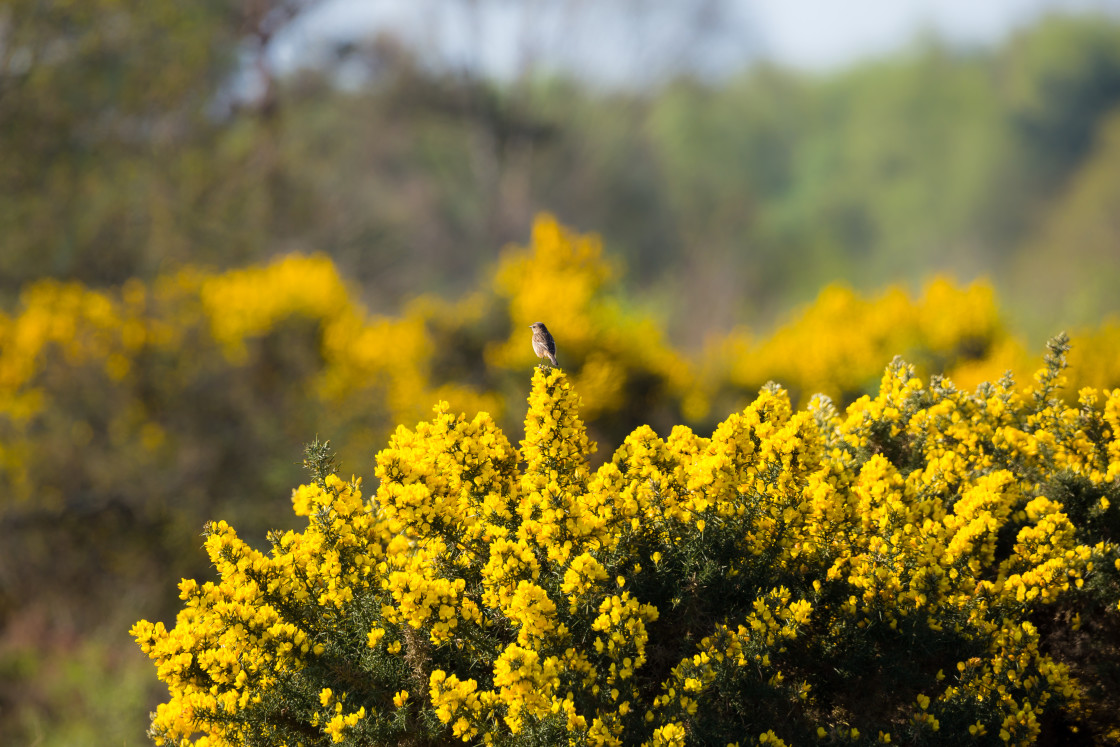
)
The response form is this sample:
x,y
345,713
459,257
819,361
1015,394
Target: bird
x,y
543,344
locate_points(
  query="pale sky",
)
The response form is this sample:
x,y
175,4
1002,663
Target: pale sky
x,y
602,40
819,35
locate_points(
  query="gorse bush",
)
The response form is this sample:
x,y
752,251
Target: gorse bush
x,y
930,567
837,345
124,414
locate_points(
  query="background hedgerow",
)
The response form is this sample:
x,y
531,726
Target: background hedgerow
x,y
931,566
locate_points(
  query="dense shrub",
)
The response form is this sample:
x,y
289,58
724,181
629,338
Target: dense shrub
x,y
929,567
130,415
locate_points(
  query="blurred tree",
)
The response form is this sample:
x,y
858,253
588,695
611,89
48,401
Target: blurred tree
x,y
1062,79
135,133
1075,257
726,154
933,159
142,135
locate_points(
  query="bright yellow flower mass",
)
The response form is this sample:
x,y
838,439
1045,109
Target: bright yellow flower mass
x,y
745,588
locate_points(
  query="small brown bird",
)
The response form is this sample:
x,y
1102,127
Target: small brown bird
x,y
543,344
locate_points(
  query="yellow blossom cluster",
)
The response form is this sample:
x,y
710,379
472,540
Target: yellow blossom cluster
x,y
837,344
81,365
563,279
141,348
907,571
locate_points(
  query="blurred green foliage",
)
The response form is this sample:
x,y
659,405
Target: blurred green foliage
x,y
140,137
